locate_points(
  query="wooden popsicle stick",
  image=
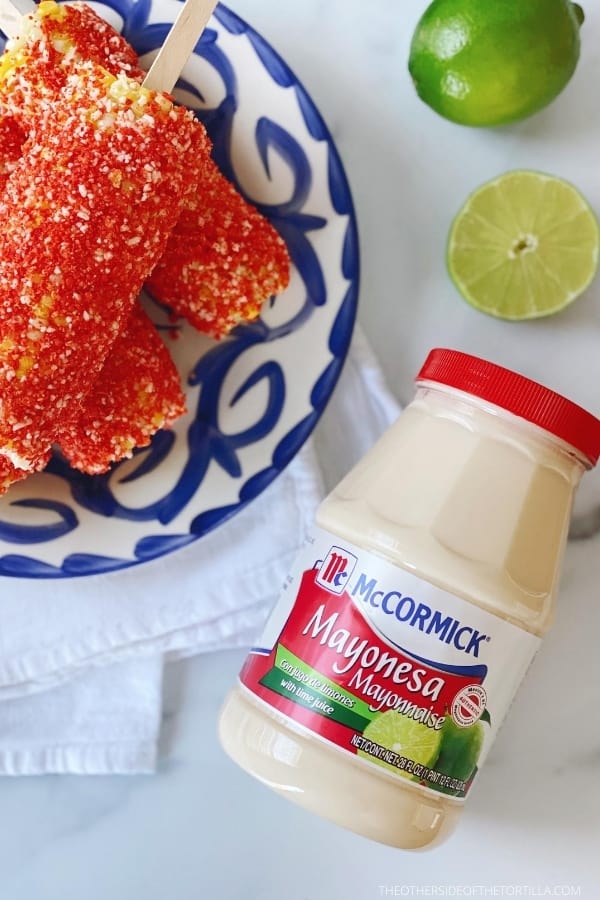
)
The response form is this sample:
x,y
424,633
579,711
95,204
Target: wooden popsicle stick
x,y
179,44
11,15
172,56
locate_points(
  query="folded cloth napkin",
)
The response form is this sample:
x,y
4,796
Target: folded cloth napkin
x,y
81,661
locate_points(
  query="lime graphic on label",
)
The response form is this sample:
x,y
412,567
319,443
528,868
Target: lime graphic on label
x,y
404,737
459,751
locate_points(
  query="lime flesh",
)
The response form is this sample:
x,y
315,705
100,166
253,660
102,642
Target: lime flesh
x,y
403,736
524,245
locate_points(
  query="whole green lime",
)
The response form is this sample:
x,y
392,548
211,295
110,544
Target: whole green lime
x,y
459,750
488,62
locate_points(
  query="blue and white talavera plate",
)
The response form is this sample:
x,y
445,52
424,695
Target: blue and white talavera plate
x,y
254,398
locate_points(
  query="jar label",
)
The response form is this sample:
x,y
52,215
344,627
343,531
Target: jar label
x,y
386,666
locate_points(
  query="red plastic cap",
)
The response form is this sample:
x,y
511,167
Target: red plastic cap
x,y
518,395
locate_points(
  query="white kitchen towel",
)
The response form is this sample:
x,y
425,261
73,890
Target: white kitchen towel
x,y
81,661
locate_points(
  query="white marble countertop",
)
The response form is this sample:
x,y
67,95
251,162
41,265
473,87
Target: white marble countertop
x,y
200,828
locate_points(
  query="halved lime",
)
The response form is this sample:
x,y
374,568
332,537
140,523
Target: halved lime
x,y
524,245
401,734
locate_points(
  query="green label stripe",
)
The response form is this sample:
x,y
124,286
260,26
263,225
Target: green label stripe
x,y
294,679
315,681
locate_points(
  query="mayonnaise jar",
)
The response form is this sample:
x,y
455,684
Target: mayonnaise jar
x,y
416,606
